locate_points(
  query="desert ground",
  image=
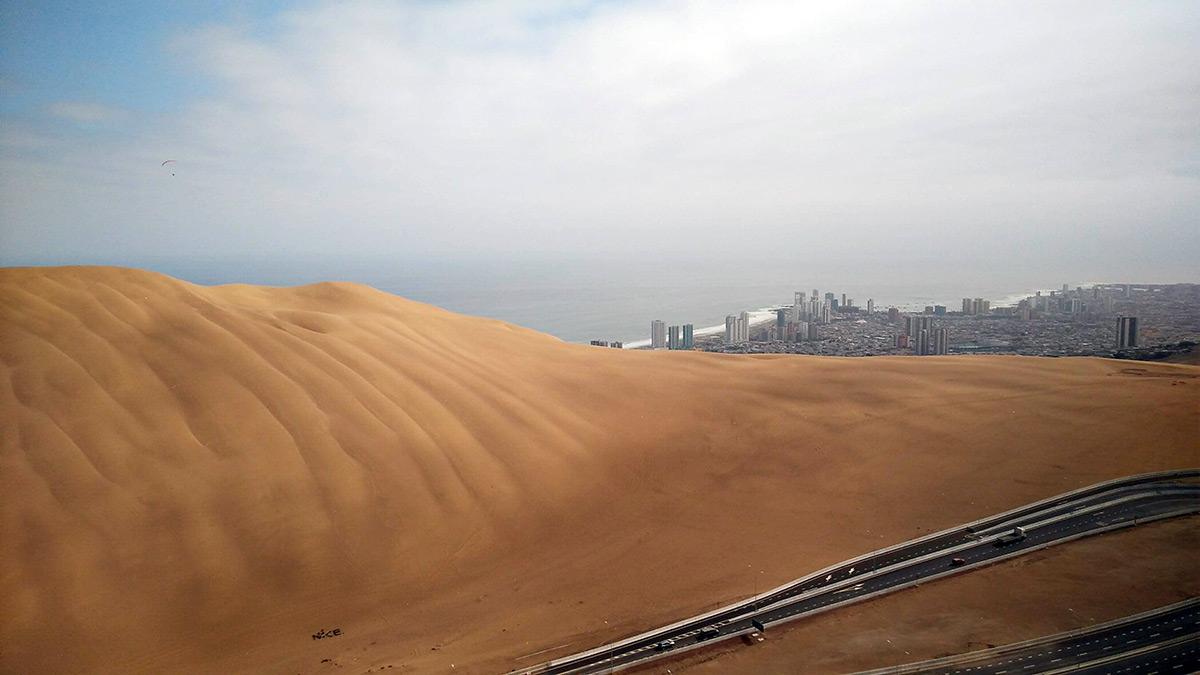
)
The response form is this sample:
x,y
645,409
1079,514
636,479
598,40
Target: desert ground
x,y
201,479
1074,585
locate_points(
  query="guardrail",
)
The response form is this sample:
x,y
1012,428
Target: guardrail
x,y
1004,650
983,524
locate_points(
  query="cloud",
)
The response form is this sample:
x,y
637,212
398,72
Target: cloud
x,y
86,113
621,125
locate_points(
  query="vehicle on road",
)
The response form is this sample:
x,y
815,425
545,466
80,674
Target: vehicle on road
x,y
955,562
1017,534
708,633
664,645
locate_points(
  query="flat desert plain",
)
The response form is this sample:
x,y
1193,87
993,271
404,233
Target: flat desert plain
x,y
202,479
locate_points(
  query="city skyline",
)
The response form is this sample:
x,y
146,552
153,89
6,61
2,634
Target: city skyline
x,y
929,332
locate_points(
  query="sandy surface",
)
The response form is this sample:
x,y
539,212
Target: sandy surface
x,y
199,479
1062,588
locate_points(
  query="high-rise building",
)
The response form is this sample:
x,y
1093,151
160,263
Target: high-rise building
x,y
658,334
1065,289
1127,332
939,310
781,318
870,306
731,335
802,331
976,306
673,341
893,315
921,348
939,341
844,303
688,336
913,325
825,312
744,327
901,341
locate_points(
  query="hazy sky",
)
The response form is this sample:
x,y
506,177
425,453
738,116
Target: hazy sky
x,y
993,131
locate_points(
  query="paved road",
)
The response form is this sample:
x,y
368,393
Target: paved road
x,y
1166,640
1047,522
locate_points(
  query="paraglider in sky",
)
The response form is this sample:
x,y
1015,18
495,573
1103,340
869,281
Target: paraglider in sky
x,y
168,162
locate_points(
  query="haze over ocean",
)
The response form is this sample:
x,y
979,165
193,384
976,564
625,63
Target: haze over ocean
x,y
579,300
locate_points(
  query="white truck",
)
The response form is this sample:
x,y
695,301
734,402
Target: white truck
x,y
1017,534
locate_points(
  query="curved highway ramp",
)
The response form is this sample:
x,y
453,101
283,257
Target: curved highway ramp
x,y
1112,505
1161,641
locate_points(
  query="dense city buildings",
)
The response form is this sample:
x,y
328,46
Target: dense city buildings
x,y
1121,320
1080,322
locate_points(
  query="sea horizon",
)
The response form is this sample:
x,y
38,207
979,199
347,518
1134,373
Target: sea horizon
x,y
580,300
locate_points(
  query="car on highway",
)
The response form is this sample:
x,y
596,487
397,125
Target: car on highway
x,y
708,633
955,562
664,645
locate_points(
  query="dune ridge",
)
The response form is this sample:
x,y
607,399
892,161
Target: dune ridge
x,y
205,476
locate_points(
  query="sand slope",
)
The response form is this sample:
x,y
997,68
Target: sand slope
x,y
201,478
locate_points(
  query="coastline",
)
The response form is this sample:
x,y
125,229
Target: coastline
x,y
763,315
757,318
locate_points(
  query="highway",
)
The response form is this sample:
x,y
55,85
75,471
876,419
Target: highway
x,y
1083,512
1165,640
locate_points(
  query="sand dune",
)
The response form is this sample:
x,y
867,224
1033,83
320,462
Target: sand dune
x,y
199,479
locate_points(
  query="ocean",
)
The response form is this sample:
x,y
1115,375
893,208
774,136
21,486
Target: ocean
x,y
616,299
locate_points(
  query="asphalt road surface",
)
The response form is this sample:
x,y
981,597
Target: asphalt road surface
x,y
1162,641
1045,523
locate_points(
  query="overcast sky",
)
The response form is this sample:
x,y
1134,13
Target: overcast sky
x,y
987,130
